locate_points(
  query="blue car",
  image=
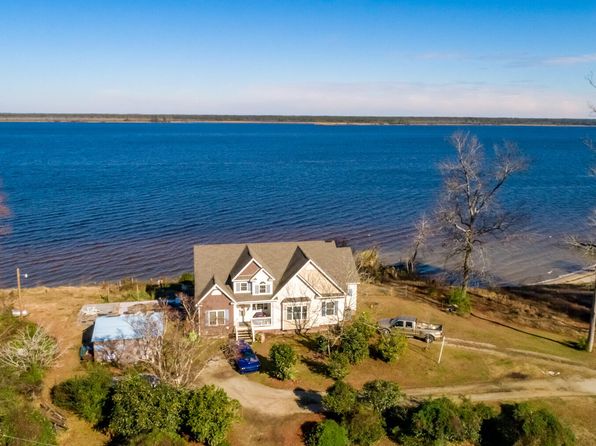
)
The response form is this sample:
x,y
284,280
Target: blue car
x,y
246,360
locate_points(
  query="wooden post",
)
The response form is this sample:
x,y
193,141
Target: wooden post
x,y
137,291
108,298
592,329
441,352
19,291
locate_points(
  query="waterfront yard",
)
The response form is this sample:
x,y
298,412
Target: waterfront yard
x,y
481,351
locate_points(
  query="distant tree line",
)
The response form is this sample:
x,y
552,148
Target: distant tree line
x,y
370,120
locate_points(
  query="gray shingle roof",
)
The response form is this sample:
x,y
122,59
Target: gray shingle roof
x,y
218,263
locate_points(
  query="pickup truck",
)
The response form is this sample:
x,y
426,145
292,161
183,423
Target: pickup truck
x,y
412,327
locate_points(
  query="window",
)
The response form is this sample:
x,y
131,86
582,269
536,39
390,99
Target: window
x,y
261,307
242,287
262,288
329,308
296,312
399,324
217,317
409,324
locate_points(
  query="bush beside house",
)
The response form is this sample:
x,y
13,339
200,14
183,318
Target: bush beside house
x,y
283,360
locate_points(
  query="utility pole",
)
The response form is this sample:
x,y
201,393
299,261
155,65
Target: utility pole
x,y
19,292
590,345
441,352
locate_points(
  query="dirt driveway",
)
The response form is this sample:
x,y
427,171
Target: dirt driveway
x,y
282,402
258,397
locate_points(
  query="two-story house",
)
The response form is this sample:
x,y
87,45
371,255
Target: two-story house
x,y
244,288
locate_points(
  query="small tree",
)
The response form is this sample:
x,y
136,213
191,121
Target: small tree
x,y
365,426
139,408
30,348
469,213
354,340
423,232
86,396
283,360
328,433
338,366
369,265
340,399
524,424
209,415
391,346
381,395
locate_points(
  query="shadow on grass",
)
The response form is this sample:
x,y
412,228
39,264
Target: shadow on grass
x,y
308,342
570,344
266,365
318,367
309,399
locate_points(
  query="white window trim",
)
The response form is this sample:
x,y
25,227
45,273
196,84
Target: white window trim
x,y
324,311
301,312
255,307
226,318
256,288
238,290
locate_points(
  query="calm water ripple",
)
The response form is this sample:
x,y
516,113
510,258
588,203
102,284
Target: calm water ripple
x,y
92,202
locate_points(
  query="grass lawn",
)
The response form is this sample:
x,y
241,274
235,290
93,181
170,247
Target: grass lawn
x,y
418,367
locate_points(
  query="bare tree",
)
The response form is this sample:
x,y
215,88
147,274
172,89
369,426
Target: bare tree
x,y
469,213
29,348
423,232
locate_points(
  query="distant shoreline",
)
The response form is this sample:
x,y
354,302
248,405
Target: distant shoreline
x,y
283,119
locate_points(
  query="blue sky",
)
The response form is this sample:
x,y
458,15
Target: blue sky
x,y
431,58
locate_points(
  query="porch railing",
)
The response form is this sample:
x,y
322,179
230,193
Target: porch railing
x,y
261,321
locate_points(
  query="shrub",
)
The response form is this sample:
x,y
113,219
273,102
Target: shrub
x,y
30,381
139,408
355,338
472,417
365,426
328,433
524,424
210,414
437,421
85,396
283,359
338,366
369,265
30,347
321,344
340,399
158,438
186,277
391,346
364,324
381,395
460,300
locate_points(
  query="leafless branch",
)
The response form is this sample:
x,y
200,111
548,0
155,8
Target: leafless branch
x,y
29,348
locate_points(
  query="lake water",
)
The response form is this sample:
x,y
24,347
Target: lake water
x,y
92,202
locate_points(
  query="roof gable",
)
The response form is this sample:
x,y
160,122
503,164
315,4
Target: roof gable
x,y
280,260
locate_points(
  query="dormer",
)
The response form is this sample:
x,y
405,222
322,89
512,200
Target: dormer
x,y
251,276
242,281
262,283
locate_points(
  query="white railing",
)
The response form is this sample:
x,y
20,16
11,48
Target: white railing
x,y
261,321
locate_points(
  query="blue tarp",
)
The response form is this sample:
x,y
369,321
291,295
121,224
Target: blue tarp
x,y
127,326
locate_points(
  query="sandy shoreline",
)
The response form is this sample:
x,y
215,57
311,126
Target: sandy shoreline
x,y
581,277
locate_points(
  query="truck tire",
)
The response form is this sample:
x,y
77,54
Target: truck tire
x,y
429,338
